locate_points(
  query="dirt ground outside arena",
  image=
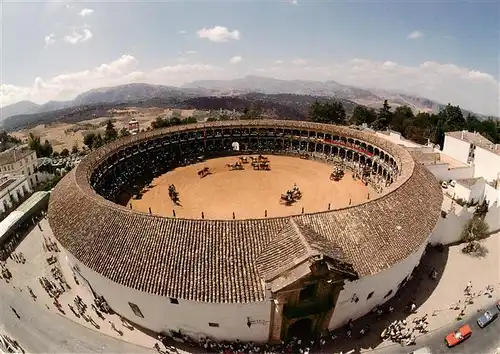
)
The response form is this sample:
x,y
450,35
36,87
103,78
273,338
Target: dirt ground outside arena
x,y
248,193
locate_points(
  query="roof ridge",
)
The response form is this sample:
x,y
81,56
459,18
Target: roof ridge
x,y
302,237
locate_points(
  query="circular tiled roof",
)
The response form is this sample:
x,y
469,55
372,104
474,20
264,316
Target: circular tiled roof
x,y
226,261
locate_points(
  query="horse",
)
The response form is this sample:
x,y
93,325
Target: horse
x,y
204,172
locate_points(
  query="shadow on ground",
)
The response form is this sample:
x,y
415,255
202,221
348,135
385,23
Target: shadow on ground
x,y
418,289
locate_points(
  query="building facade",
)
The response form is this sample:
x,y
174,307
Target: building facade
x,y
474,149
13,190
20,161
310,298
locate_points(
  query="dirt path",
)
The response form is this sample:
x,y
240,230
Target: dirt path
x,y
249,193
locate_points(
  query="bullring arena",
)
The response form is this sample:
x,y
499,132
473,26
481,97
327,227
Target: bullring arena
x,y
146,227
250,193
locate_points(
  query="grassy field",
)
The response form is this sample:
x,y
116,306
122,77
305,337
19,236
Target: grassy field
x,y
64,136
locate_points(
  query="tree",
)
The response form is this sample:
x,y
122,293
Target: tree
x,y
475,230
329,112
64,153
384,117
110,132
481,209
419,128
401,115
252,112
452,118
363,115
98,141
34,144
47,149
88,140
124,132
74,149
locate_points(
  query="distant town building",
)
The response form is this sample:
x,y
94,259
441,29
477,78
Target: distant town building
x,y
20,161
476,150
133,127
13,190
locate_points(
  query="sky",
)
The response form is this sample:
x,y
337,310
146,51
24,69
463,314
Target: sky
x,y
443,50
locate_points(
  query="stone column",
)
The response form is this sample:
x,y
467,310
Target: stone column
x,y
277,319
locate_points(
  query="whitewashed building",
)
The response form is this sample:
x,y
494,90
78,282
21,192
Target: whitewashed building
x,y
20,161
475,150
13,190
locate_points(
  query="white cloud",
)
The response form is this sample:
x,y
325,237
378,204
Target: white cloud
x,y
121,71
86,12
278,62
441,82
191,52
294,2
78,37
182,32
218,34
50,39
415,35
235,60
299,61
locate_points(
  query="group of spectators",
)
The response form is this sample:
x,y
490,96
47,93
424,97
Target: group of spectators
x,y
295,345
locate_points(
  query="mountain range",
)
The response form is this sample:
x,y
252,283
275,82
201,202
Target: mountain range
x,y
223,88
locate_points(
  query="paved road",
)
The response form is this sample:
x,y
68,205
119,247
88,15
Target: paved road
x,y
483,341
43,331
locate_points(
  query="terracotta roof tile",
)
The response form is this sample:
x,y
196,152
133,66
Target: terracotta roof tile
x,y
217,260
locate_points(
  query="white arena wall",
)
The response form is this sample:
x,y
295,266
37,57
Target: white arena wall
x,y
449,230
191,317
380,284
456,148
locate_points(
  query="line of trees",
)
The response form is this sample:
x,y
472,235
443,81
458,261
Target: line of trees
x,y
419,127
95,140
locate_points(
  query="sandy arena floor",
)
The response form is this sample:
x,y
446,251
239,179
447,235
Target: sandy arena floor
x,y
249,193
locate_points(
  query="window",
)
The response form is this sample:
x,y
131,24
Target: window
x,y
369,296
36,177
136,310
174,301
308,292
212,324
388,294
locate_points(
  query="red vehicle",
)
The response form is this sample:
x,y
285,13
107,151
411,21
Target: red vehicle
x,y
457,337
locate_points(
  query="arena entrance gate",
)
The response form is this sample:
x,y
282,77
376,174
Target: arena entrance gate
x,y
306,287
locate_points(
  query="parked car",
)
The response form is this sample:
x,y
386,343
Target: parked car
x,y
488,317
498,305
423,350
452,183
444,184
457,337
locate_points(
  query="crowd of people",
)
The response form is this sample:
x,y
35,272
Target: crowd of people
x,y
295,345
